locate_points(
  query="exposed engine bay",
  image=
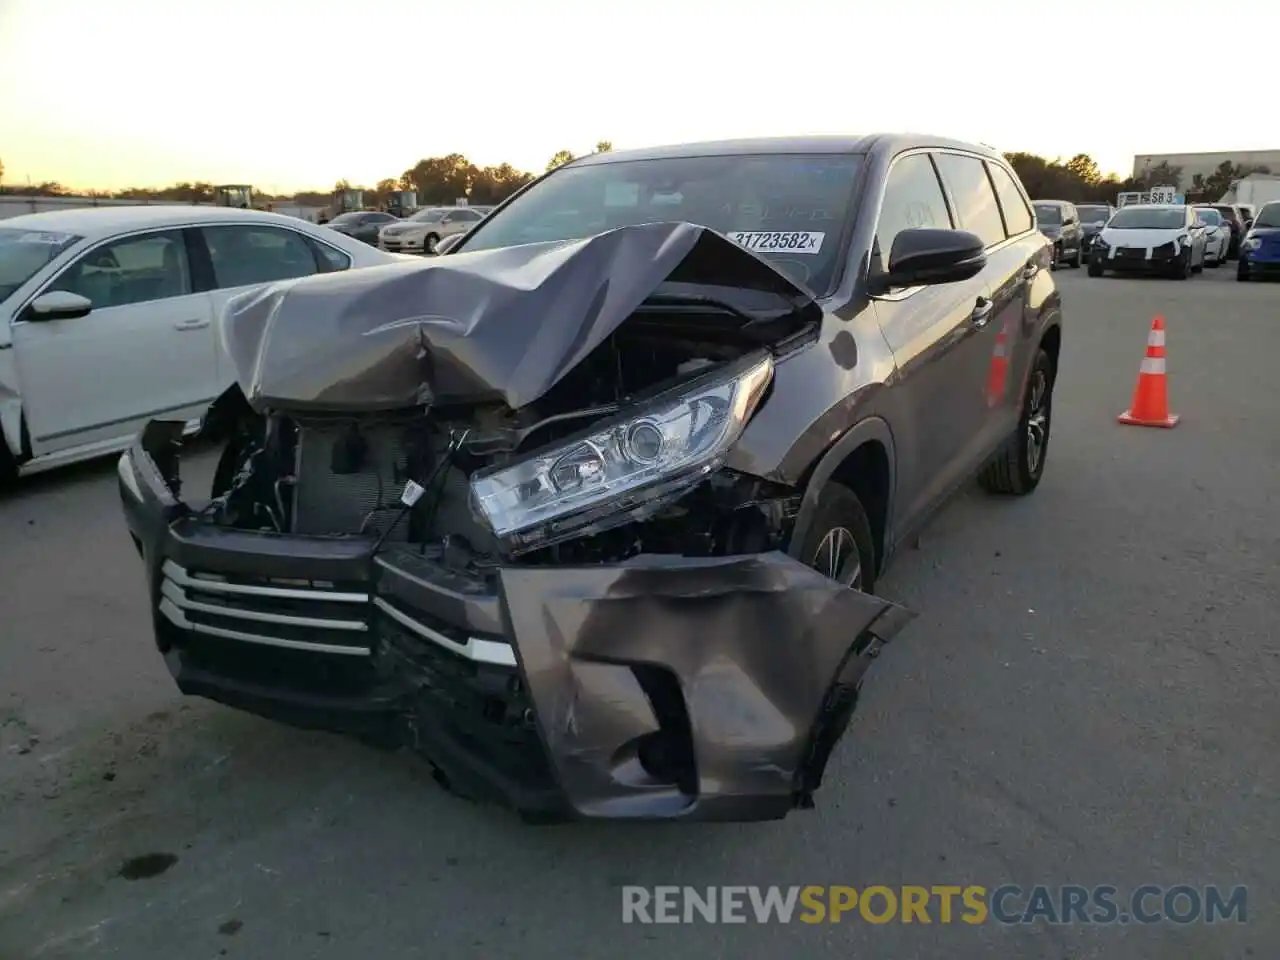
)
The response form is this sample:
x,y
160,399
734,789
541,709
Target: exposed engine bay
x,y
343,475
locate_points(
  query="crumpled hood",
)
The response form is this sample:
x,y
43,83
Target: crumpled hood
x,y
505,323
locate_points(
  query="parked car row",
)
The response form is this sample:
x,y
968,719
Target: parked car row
x,y
417,233
1176,240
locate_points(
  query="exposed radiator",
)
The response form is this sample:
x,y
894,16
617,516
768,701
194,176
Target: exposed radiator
x,y
326,502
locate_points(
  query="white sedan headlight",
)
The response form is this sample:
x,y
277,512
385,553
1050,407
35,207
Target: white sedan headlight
x,y
664,446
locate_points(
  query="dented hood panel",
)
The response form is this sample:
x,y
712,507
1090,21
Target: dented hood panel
x,y
505,323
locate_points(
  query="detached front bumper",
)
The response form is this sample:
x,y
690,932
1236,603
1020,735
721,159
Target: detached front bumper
x,y
664,688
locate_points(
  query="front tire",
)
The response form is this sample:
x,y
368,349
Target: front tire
x,y
1016,468
1076,260
429,244
1182,269
1095,269
1242,272
8,468
838,543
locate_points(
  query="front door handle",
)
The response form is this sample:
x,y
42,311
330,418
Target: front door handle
x,y
197,324
982,312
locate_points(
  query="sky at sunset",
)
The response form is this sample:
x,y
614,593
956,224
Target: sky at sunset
x,y
290,95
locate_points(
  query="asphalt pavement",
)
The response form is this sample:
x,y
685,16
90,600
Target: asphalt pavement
x,y
1088,696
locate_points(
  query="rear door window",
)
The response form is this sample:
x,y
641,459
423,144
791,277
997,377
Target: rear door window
x,y
244,255
975,200
1017,216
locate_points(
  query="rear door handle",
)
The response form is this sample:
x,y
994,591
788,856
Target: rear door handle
x,y
197,324
982,312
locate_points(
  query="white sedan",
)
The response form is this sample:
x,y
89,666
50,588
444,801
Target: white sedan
x,y
107,317
1217,234
421,232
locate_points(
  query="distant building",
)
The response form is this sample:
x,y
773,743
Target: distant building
x,y
1205,163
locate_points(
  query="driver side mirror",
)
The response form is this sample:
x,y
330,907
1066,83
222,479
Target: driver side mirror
x,y
928,256
58,305
1248,224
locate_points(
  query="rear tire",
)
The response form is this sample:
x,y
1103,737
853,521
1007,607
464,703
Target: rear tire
x,y
1016,468
839,526
429,244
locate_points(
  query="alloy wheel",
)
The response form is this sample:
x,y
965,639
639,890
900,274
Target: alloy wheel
x,y
1037,421
838,558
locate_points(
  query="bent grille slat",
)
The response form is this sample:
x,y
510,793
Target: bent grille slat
x,y
314,619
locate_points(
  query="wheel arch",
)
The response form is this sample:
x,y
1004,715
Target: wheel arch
x,y
863,460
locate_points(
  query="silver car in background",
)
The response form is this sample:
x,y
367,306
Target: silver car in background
x,y
1217,236
421,232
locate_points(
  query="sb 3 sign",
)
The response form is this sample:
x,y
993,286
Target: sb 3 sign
x,y
1163,195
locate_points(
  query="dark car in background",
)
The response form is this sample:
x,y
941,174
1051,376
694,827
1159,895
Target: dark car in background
x,y
590,509
1237,221
1059,221
1260,249
1093,217
362,224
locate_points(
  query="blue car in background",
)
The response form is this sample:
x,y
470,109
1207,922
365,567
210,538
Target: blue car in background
x,y
1260,248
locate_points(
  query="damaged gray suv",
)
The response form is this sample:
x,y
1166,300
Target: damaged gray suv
x,y
590,509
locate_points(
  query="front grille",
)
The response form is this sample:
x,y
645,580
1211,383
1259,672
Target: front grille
x,y
312,616
1131,253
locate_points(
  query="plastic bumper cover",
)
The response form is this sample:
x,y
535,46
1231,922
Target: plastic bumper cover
x,y
667,687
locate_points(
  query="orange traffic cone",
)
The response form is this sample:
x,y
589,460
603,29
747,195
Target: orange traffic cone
x,y
1150,407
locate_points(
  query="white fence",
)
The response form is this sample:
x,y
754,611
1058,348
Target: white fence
x,y
16,206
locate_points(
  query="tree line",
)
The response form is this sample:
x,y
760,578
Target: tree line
x,y
435,180
1080,181
443,180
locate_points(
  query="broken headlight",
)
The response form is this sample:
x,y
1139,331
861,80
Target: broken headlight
x,y
665,445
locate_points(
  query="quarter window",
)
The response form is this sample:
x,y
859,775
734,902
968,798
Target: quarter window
x,y
136,269
1017,218
333,259
975,200
244,255
912,199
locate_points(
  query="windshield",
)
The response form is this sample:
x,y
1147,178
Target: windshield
x,y
345,218
1268,216
1093,214
1227,213
428,216
1049,214
24,252
789,209
1148,218
1210,216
